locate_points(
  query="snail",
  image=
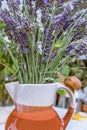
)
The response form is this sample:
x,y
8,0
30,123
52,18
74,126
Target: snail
x,y
72,82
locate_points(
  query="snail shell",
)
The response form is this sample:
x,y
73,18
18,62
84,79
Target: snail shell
x,y
73,82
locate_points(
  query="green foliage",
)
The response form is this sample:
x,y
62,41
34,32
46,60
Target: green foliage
x,y
2,25
61,92
78,67
7,68
66,71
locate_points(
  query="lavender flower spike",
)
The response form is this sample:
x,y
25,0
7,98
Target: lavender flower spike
x,y
1,3
45,1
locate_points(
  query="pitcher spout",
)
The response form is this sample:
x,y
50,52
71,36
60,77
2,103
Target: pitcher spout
x,y
11,88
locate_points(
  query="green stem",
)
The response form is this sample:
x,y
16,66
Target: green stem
x,y
52,16
34,68
14,61
7,67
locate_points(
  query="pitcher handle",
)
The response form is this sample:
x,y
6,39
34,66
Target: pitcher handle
x,y
70,111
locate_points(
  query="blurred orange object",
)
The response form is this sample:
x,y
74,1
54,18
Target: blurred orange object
x,y
84,107
37,118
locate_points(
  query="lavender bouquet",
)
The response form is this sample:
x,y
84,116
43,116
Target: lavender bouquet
x,y
40,36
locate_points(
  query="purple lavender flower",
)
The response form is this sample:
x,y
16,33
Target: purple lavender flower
x,y
77,48
18,2
0,2
13,4
24,23
45,59
9,19
16,30
29,1
20,27
46,52
45,1
69,49
60,1
44,29
25,49
76,3
61,23
53,54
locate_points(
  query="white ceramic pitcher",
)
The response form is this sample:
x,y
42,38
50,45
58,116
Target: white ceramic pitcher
x,y
33,106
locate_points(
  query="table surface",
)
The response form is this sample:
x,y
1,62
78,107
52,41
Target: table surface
x,y
73,124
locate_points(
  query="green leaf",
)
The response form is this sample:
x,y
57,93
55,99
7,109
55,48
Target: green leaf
x,y
61,92
58,44
1,40
57,80
2,25
65,71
